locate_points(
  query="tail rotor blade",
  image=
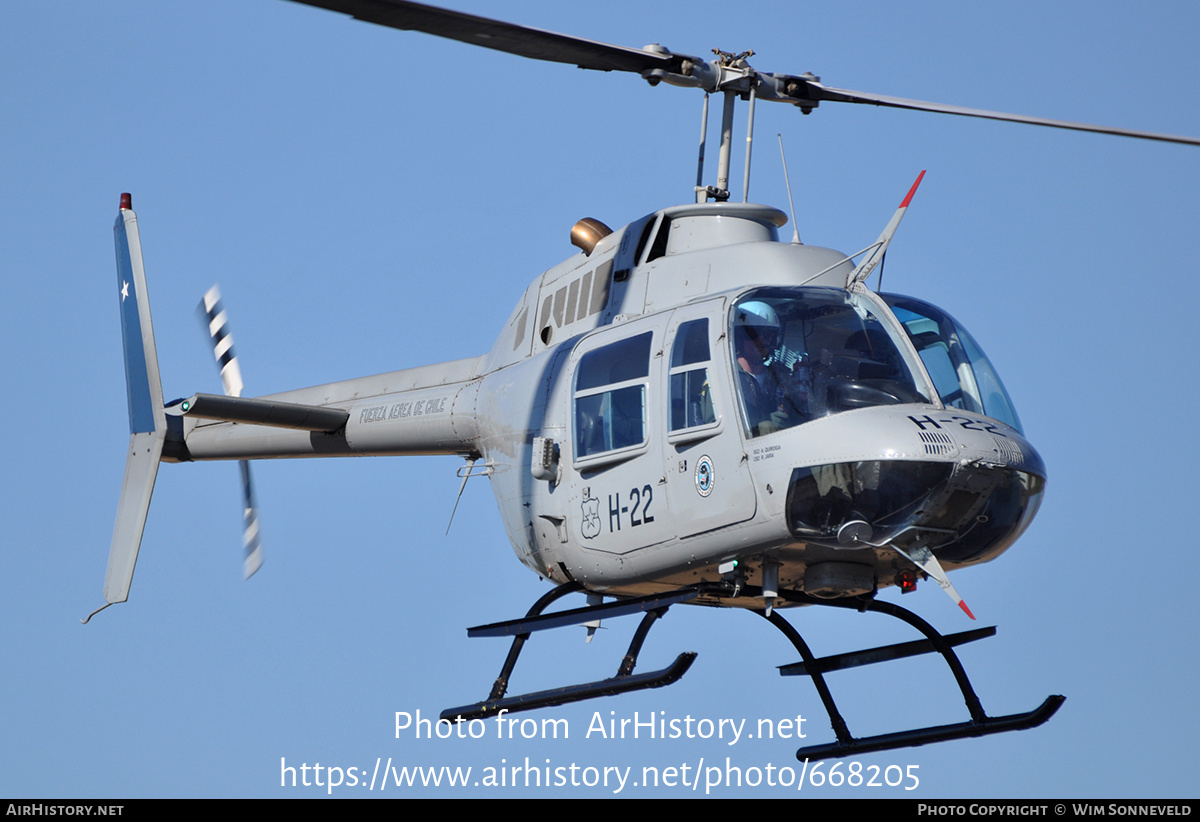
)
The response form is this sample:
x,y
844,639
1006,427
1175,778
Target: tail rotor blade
x,y
251,540
212,314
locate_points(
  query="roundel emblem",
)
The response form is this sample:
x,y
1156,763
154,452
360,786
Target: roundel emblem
x,y
705,476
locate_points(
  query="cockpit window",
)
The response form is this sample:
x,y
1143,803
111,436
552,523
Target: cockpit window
x,y
804,353
960,371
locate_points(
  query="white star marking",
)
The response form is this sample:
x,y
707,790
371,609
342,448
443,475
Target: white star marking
x,y
124,290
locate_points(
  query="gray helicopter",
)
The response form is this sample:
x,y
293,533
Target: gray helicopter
x,y
688,410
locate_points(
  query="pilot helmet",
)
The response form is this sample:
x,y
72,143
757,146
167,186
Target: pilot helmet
x,y
758,322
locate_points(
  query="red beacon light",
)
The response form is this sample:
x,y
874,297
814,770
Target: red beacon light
x,y
907,581
126,202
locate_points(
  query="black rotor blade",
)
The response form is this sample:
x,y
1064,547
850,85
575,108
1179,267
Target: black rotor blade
x,y
538,44
495,34
838,95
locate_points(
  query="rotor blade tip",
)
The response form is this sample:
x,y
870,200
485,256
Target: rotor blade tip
x,y
966,610
254,562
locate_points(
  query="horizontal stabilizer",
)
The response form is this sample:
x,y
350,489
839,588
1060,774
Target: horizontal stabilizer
x,y
263,412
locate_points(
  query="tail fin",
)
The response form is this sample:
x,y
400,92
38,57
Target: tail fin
x,y
147,420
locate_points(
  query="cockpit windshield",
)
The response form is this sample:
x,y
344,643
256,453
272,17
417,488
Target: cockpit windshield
x,y
804,353
963,376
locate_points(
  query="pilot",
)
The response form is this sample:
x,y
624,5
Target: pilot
x,y
773,394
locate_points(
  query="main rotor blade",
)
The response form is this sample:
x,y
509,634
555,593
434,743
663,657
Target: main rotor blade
x,y
495,34
839,95
678,69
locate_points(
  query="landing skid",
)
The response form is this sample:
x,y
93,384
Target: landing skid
x,y
654,606
624,681
980,723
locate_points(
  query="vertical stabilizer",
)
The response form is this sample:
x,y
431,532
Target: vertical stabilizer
x,y
147,420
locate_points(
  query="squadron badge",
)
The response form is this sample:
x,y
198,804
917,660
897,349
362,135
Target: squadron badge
x,y
591,516
704,476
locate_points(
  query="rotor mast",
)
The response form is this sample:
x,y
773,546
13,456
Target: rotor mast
x,y
734,78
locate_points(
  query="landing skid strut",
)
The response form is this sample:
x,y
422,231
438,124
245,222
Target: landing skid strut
x,y
624,681
980,723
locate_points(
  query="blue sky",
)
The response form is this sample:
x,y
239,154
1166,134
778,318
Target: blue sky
x,y
371,200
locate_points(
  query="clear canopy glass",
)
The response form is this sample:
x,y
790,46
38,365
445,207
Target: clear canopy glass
x,y
961,373
805,353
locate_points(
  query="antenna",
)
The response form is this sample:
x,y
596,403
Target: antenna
x,y
791,205
701,191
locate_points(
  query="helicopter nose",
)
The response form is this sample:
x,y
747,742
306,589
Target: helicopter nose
x,y
959,485
964,512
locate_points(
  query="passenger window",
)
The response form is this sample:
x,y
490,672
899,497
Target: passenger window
x,y
691,397
610,397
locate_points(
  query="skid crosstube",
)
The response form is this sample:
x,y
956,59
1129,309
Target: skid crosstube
x,y
543,622
840,662
624,681
980,723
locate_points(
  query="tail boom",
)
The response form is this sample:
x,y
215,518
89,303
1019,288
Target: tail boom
x,y
417,411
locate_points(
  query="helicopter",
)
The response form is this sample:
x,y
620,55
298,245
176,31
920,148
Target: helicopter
x,y
646,469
